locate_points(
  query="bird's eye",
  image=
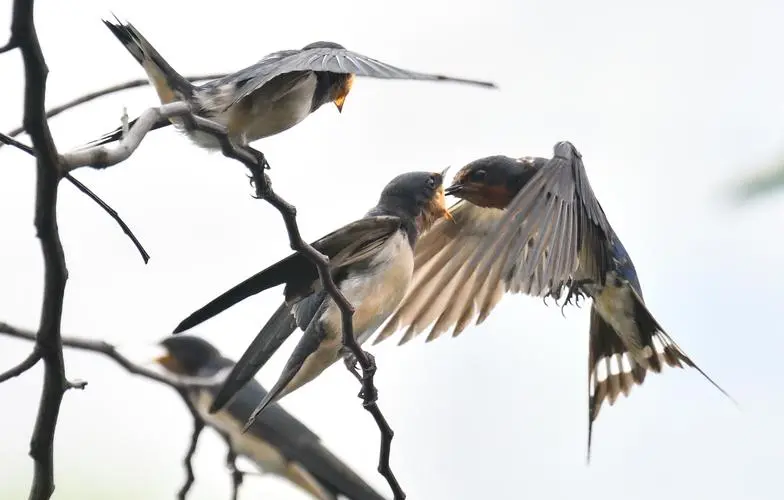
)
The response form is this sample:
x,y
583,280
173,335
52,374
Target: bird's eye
x,y
478,175
431,182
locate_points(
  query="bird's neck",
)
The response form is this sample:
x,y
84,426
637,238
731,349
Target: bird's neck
x,y
407,218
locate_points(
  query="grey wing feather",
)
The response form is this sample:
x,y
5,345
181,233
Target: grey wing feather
x,y
550,232
337,61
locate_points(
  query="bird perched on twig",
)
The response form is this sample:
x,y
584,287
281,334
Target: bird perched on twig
x,y
277,442
533,226
264,99
371,262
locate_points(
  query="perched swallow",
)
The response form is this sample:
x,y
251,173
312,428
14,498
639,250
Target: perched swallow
x,y
277,442
267,98
371,261
534,226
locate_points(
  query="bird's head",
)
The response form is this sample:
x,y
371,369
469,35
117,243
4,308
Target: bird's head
x,y
186,354
419,194
340,83
494,180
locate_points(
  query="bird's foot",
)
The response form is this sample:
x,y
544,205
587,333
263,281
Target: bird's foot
x,y
365,376
575,292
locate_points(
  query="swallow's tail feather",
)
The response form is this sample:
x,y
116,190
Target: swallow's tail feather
x,y
279,328
169,84
335,476
117,134
275,275
614,368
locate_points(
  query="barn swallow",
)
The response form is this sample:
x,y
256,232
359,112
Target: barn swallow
x,y
371,261
264,99
277,442
533,226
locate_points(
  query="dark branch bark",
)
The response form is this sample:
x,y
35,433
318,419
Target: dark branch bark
x,y
132,84
24,36
4,139
29,362
198,426
180,384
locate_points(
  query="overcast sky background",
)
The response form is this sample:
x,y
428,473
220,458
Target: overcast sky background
x,y
669,103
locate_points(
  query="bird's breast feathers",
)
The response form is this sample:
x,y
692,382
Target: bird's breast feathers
x,y
376,290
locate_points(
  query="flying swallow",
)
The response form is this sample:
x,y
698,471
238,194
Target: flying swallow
x,y
264,99
533,226
277,442
371,262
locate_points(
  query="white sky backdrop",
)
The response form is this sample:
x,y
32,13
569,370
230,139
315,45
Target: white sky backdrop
x,y
668,104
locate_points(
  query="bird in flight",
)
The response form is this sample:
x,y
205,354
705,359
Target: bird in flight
x,y
534,226
264,99
371,261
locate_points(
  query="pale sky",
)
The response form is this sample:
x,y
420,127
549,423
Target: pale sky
x,y
668,103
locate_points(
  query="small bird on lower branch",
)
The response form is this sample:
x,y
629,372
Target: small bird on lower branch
x,y
277,442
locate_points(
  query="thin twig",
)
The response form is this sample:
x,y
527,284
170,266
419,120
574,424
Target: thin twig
x,y
177,382
237,475
110,351
26,364
198,426
141,82
4,139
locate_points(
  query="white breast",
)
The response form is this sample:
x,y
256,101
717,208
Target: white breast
x,y
376,292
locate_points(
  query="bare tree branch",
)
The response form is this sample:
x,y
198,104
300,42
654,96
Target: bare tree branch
x,y
24,36
177,382
29,362
4,139
141,82
198,426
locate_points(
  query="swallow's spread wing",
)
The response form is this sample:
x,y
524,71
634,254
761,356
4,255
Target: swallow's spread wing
x,y
348,244
438,291
335,60
553,227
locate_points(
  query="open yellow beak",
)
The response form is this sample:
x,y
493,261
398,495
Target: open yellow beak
x,y
441,201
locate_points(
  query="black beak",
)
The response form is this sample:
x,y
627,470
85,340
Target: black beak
x,y
453,189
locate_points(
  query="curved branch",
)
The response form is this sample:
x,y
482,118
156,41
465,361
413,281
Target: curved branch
x,y
26,364
131,84
198,426
4,139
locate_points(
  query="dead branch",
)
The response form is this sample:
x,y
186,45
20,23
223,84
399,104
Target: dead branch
x,y
132,84
25,38
4,139
179,383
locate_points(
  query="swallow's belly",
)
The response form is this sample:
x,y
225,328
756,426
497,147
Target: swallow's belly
x,y
264,117
266,457
375,292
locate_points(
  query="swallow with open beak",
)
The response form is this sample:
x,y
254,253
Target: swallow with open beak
x,y
277,442
264,99
371,261
534,226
